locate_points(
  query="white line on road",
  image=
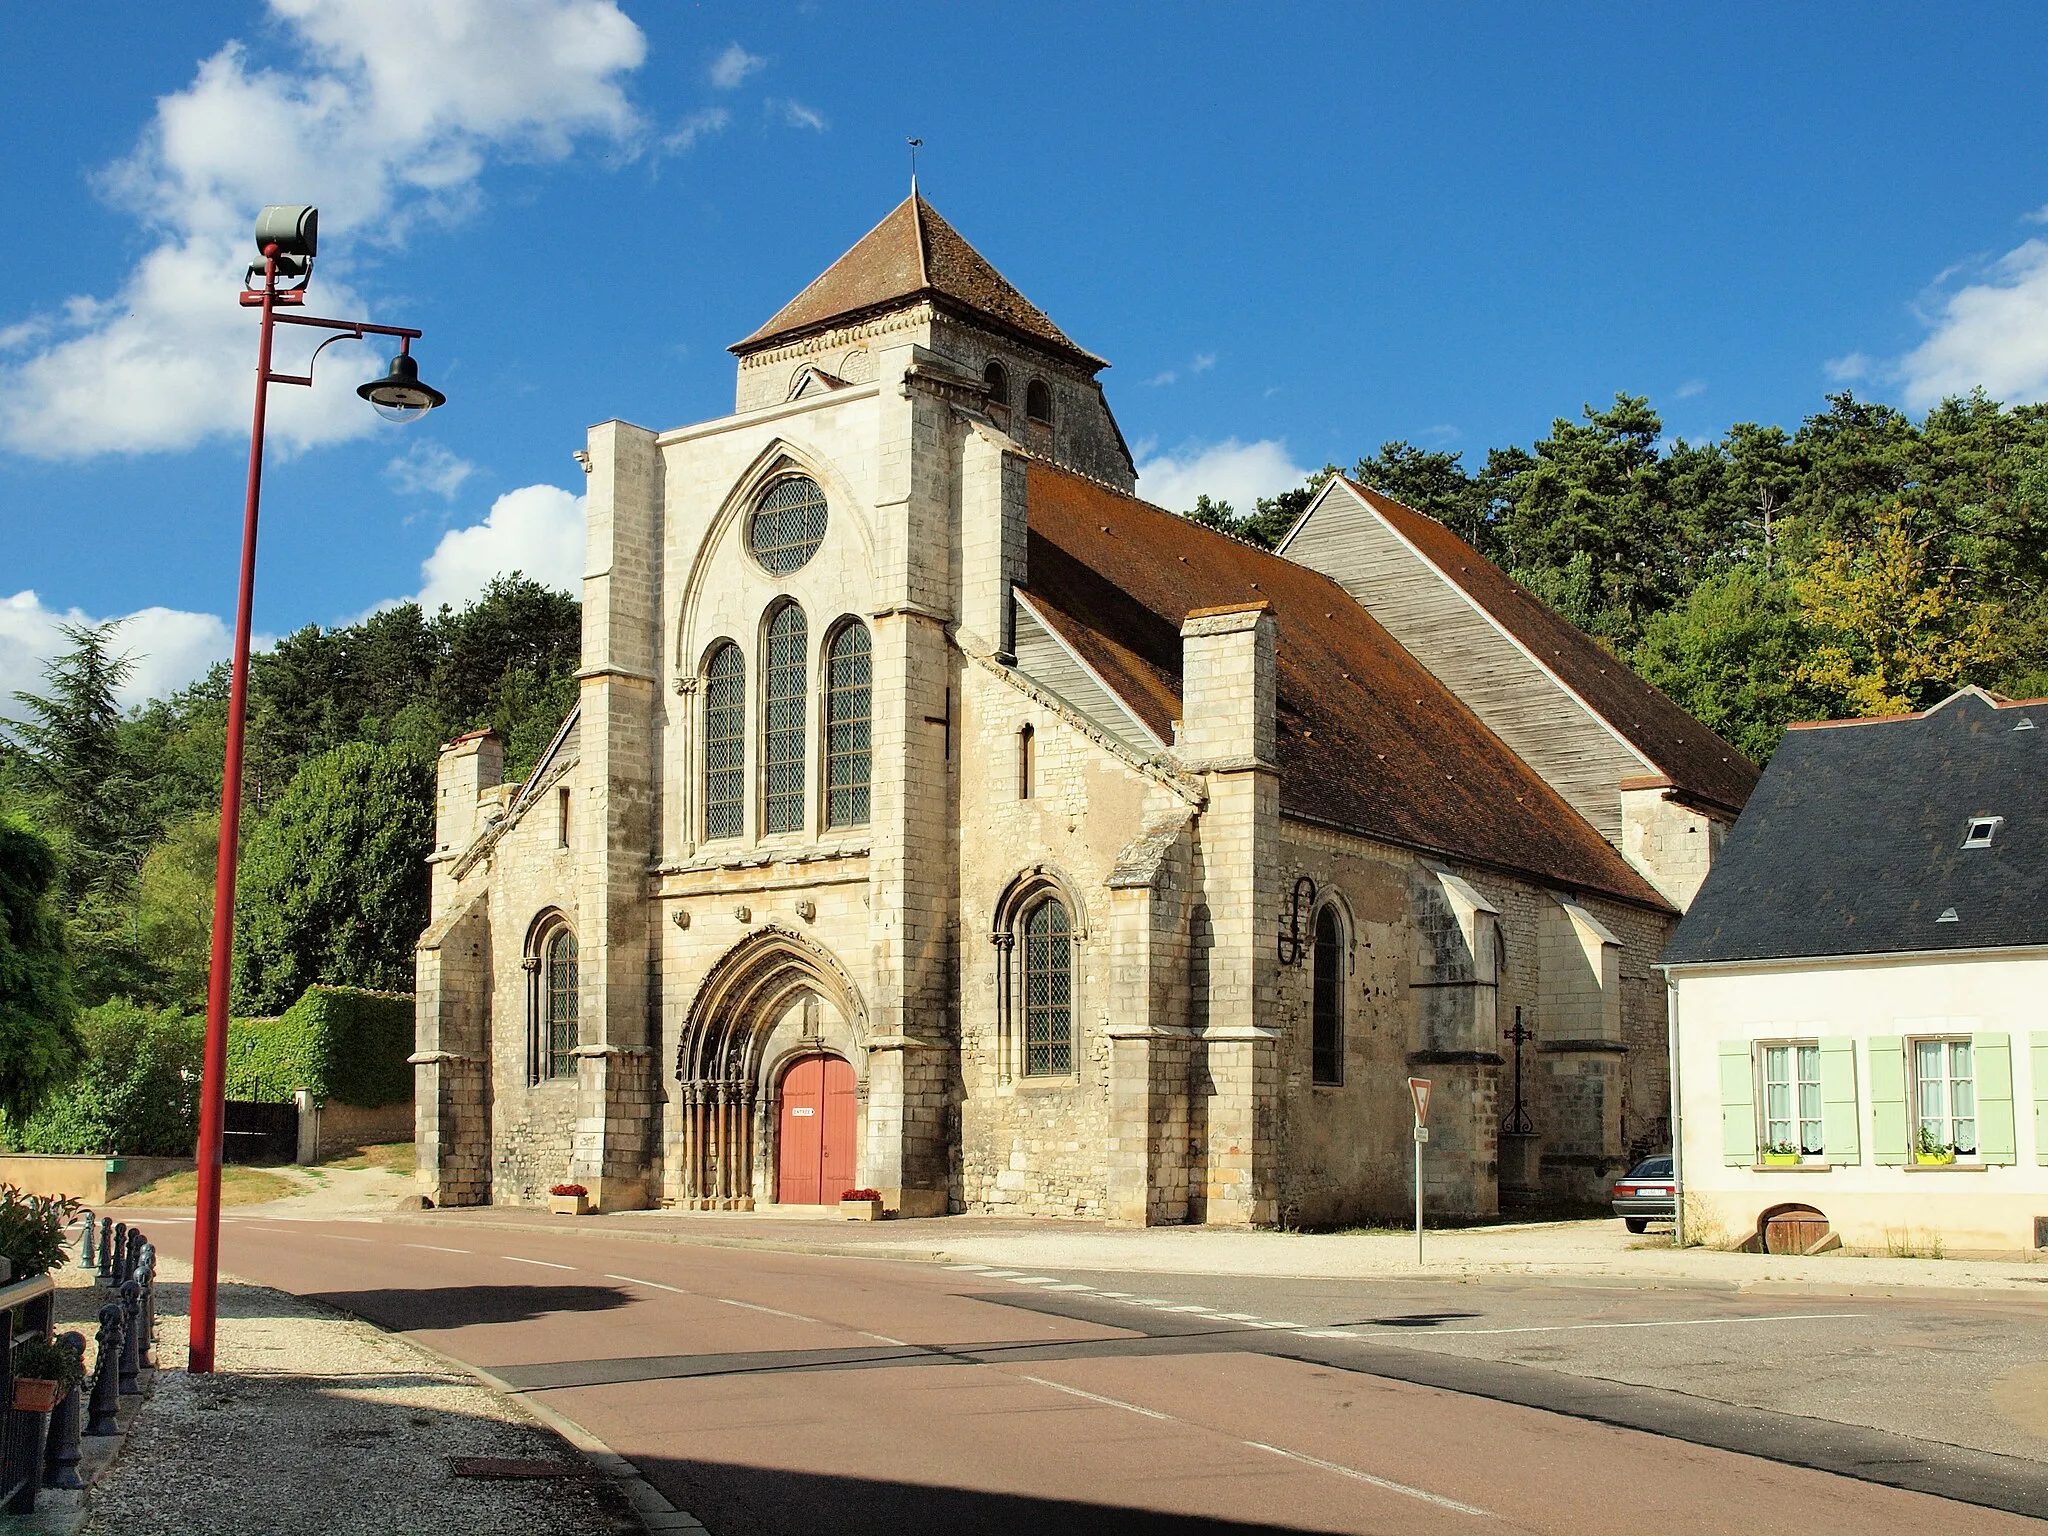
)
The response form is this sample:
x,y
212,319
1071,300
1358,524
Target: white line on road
x,y
1070,1286
1675,1322
1191,1307
512,1258
655,1284
1240,1317
1378,1482
774,1311
899,1343
1032,1279
1092,1397
436,1248
974,1267
1001,1274
336,1237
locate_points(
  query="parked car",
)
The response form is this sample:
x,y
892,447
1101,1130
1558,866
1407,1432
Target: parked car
x,y
1645,1194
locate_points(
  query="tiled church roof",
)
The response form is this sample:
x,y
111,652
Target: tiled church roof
x,y
913,255
1699,764
1367,738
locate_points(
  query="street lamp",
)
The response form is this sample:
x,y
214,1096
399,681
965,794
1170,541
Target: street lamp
x,y
289,238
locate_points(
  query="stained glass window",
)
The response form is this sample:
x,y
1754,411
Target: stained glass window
x,y
848,752
562,1002
1327,1021
783,807
1048,990
725,743
788,525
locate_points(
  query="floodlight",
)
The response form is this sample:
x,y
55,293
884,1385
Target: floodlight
x,y
295,231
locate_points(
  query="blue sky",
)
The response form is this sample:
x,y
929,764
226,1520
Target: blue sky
x,y
1297,231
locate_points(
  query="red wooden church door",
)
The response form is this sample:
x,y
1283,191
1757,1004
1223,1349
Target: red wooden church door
x,y
814,1157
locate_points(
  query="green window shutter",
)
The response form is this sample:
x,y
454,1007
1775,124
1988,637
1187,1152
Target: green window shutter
x,y
1889,1137
1838,1101
1993,1055
1738,1104
2041,1098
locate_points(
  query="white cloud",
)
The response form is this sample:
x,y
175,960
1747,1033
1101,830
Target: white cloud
x,y
1690,388
1203,362
387,120
1992,333
536,530
731,68
694,127
428,469
1239,473
797,115
1164,376
1851,368
169,648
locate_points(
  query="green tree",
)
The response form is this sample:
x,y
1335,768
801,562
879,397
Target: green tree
x,y
1435,482
175,905
38,1031
135,1094
334,878
1729,655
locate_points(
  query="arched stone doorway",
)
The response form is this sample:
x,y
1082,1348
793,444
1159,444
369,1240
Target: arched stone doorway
x,y
770,1004
816,1131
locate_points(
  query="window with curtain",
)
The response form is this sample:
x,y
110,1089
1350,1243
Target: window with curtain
x,y
725,743
1945,1096
848,709
559,964
1327,1012
1048,990
1792,1111
783,747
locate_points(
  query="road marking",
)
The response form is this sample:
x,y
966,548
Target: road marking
x,y
1240,1317
899,1343
1092,1397
1191,1307
1032,1279
1070,1286
1378,1482
251,1226
774,1311
436,1248
512,1258
1115,1295
1676,1322
1001,1274
1326,1333
336,1237
977,1268
656,1284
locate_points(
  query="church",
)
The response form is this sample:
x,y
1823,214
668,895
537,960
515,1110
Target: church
x,y
940,818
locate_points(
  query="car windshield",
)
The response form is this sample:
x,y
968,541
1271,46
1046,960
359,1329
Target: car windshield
x,y
1652,1168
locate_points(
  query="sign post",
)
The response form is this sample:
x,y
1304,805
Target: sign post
x,y
1418,1090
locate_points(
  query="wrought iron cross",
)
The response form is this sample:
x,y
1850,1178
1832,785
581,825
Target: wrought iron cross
x,y
1518,1122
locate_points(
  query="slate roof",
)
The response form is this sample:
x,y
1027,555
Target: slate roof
x,y
1368,739
1699,764
1852,842
913,255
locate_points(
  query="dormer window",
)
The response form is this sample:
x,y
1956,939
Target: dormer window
x,y
996,379
1982,830
1038,402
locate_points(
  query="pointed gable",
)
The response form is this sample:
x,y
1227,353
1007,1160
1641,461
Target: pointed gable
x,y
913,255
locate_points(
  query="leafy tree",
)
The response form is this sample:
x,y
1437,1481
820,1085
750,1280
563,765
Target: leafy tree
x,y
334,878
38,1032
175,907
1730,654
1434,482
136,1093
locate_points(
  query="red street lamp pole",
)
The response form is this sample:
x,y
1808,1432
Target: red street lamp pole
x,y
288,237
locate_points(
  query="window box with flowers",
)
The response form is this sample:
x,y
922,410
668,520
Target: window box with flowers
x,y
861,1205
569,1200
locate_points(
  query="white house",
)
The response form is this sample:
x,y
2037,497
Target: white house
x,y
1860,991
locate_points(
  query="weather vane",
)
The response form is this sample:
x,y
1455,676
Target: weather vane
x,y
915,146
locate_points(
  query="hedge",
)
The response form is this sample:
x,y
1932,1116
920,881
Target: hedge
x,y
343,1043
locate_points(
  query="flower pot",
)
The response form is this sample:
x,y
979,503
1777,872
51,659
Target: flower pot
x,y
33,1396
861,1210
1781,1159
1935,1159
569,1205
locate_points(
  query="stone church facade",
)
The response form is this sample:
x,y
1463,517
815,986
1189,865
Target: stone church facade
x,y
939,818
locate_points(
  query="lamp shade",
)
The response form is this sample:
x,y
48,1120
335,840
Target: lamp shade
x,y
399,395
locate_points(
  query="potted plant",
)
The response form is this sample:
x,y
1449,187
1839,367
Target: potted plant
x,y
33,1229
43,1374
1780,1154
1930,1153
569,1200
861,1205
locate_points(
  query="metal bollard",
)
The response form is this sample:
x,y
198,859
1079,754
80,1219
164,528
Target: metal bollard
x,y
107,1251
85,1243
133,1256
60,1461
131,1309
106,1374
145,1342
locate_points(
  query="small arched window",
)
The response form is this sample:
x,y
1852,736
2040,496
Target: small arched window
x,y
1327,1011
996,379
1048,990
849,672
725,743
1038,401
558,987
788,524
783,755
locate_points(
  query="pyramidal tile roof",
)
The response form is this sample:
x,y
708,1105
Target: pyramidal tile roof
x,y
913,255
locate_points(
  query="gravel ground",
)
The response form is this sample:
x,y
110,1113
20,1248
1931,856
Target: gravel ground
x,y
315,1422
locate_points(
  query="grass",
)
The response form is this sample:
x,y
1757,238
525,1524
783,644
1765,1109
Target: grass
x,y
390,1156
238,1186
1907,1243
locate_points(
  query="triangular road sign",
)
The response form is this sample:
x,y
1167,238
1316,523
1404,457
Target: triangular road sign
x,y
1418,1090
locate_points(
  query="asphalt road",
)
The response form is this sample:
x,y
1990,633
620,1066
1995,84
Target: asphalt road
x,y
777,1392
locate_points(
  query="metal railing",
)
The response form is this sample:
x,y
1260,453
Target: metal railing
x,y
25,1310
